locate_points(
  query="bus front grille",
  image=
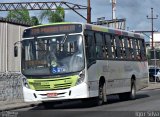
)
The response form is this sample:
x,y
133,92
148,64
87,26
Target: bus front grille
x,y
51,84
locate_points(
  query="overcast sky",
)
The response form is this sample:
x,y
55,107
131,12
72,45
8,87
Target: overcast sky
x,y
135,11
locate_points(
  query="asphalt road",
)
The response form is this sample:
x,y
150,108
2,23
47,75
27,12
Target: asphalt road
x,y
146,104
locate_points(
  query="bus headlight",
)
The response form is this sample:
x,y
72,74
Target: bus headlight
x,y
80,79
25,83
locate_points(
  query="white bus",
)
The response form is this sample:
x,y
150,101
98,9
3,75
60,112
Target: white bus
x,y
64,61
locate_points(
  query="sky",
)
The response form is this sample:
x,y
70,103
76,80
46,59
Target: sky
x,y
135,12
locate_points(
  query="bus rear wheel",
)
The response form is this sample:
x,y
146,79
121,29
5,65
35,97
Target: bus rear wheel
x,y
132,94
129,95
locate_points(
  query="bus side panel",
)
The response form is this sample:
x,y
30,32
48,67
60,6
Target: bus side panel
x,y
92,80
143,80
121,72
119,76
95,72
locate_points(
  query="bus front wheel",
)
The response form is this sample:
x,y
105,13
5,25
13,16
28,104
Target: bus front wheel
x,y
48,105
101,95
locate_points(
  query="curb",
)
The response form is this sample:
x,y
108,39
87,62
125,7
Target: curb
x,y
152,86
19,106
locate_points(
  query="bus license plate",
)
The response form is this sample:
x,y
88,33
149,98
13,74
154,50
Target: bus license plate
x,y
51,94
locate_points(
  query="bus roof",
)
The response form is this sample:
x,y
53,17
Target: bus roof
x,y
51,24
98,28
113,31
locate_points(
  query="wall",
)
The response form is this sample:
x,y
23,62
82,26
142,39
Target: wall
x,y
10,87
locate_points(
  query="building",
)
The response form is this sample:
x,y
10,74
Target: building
x,y
10,32
154,59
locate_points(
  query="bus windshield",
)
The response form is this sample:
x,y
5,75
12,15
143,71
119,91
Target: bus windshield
x,y
52,55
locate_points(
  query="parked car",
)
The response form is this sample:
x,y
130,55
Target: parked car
x,y
154,72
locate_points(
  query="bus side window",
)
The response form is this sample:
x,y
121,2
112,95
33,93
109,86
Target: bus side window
x,y
131,48
99,46
134,48
113,47
117,47
139,57
142,49
108,45
122,47
90,47
127,48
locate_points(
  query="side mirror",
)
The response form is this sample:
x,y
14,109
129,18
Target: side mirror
x,y
15,51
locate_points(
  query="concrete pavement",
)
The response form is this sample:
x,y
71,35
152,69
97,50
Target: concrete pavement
x,y
16,105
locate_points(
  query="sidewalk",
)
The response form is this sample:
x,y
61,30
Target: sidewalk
x,y
16,105
152,86
12,106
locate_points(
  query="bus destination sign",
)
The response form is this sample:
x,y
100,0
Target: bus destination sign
x,y
54,29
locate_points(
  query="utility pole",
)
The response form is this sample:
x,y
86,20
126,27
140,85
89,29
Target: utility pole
x,y
113,9
89,12
113,12
152,48
152,18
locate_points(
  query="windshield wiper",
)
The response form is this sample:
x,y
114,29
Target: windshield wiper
x,y
65,37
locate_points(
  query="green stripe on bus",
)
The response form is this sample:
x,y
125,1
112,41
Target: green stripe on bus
x,y
96,28
52,24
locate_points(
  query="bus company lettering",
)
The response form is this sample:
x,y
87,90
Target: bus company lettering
x,y
53,29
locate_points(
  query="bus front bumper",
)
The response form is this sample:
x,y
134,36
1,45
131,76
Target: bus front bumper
x,y
76,92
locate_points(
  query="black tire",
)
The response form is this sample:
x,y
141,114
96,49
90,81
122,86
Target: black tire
x,y
101,95
132,94
88,101
151,79
129,95
48,105
157,79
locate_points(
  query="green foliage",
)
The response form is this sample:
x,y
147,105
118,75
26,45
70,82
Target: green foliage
x,y
35,20
53,16
23,15
20,15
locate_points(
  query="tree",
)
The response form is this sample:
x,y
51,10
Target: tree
x,y
35,20
53,16
20,15
23,15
